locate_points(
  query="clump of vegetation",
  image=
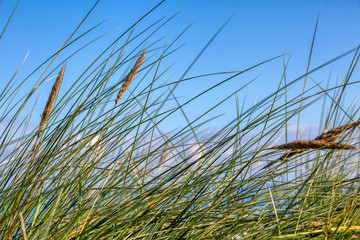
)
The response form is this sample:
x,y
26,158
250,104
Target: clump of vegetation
x,y
93,169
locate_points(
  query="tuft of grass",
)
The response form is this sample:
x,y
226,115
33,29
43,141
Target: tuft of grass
x,y
89,172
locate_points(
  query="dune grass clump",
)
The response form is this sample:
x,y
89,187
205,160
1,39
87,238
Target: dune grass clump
x,y
93,169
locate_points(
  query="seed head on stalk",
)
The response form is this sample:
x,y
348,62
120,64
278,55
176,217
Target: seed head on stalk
x,y
326,140
49,104
130,77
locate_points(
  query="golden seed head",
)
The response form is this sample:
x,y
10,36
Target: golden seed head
x,y
334,132
130,77
324,141
313,144
51,99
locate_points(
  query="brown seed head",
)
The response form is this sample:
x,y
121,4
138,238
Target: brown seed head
x,y
324,141
334,132
51,99
314,144
130,77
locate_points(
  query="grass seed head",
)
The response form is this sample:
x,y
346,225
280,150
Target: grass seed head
x,y
324,141
130,77
313,144
332,134
51,99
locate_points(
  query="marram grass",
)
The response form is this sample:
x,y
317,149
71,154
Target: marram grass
x,y
90,170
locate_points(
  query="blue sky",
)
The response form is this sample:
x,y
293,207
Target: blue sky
x,y
258,30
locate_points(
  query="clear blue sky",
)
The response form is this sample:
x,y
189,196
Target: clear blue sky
x,y
259,30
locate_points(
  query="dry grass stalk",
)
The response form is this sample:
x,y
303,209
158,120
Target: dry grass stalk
x,y
48,107
324,141
45,115
23,227
51,99
313,144
130,77
283,157
290,154
163,154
